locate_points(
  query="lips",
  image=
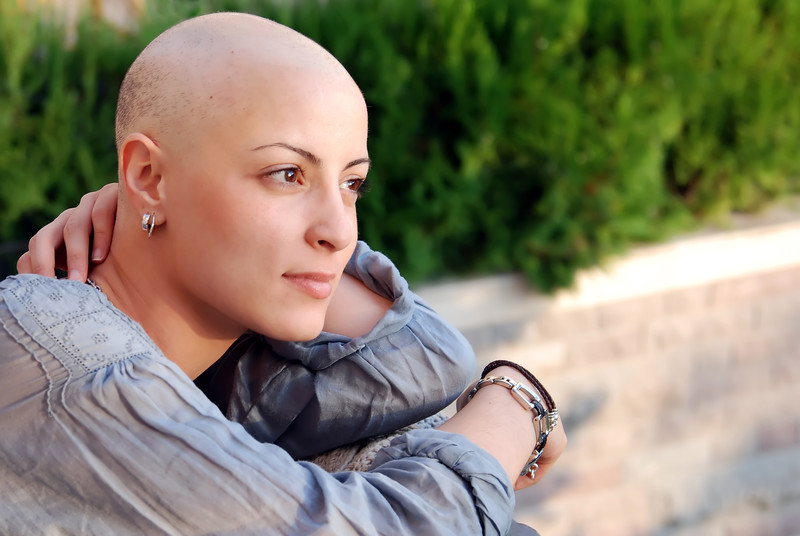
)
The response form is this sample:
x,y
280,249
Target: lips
x,y
318,285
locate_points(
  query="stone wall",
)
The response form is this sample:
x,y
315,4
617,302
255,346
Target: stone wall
x,y
677,372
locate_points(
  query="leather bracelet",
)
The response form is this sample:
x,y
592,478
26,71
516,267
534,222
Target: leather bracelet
x,y
545,414
550,403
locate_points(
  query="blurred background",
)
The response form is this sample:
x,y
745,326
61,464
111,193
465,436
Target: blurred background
x,y
604,189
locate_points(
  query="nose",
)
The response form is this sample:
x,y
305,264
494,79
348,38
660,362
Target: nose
x,y
332,220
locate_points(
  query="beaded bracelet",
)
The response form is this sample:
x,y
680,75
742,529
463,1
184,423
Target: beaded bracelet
x,y
545,411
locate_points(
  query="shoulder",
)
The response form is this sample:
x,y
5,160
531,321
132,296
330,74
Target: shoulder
x,y
73,321
44,295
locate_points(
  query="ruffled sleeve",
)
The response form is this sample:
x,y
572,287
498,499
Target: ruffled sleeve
x,y
102,434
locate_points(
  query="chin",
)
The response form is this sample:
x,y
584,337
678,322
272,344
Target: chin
x,y
300,331
305,333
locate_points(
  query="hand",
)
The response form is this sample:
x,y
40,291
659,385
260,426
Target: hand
x,y
556,443
64,242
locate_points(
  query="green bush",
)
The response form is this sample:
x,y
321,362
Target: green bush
x,y
56,118
506,134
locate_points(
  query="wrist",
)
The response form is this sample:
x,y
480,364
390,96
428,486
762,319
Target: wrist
x,y
531,396
497,424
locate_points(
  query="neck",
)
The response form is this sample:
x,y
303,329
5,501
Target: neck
x,y
188,332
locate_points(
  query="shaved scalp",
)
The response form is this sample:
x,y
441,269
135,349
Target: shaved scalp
x,y
187,72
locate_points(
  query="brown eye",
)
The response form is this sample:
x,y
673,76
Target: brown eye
x,y
286,175
355,185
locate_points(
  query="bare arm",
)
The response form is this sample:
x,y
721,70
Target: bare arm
x,y
354,309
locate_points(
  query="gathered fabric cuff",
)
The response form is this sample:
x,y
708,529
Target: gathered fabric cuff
x,y
492,492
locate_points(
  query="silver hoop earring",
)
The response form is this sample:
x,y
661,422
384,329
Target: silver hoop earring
x,y
148,223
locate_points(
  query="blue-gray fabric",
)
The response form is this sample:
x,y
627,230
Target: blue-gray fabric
x,y
313,396
101,434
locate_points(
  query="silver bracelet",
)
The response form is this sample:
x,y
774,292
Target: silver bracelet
x,y
544,421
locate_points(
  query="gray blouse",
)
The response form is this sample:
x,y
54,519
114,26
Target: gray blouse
x,y
310,397
102,434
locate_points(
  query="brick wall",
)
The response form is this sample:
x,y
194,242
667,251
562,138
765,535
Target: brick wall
x,y
678,376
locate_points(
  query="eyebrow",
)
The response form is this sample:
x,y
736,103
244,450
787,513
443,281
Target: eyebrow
x,y
311,157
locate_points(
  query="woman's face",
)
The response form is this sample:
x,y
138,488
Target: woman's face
x,y
260,199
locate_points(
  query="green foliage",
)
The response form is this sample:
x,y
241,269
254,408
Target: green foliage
x,y
506,134
56,115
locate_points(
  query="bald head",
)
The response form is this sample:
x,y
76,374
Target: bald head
x,y
192,71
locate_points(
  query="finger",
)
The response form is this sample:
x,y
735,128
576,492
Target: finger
x,y
556,444
24,263
103,216
77,237
41,254
524,482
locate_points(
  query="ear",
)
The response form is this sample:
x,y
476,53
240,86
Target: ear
x,y
140,170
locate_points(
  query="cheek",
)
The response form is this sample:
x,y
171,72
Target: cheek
x,y
269,223
229,207
207,224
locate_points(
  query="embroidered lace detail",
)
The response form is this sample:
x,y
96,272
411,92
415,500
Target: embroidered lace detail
x,y
79,321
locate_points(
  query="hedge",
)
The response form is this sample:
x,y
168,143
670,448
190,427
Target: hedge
x,y
506,135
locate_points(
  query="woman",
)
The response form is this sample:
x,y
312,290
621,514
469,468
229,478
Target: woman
x,y
385,359
242,147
